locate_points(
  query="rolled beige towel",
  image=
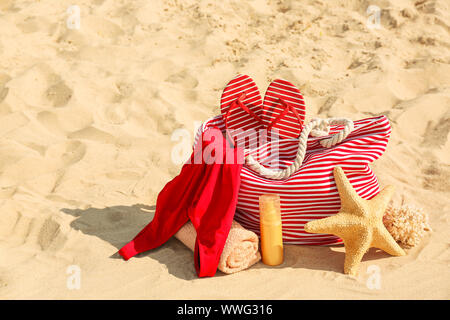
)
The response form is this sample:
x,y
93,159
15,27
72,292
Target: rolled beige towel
x,y
240,250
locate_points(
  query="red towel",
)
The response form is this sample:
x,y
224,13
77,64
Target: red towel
x,y
204,192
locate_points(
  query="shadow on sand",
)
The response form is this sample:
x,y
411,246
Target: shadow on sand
x,y
120,224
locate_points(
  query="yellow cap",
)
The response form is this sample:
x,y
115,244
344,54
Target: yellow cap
x,y
269,208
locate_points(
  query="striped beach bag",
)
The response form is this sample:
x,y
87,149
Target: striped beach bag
x,y
296,161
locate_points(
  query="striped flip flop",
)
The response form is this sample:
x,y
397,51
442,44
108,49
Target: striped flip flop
x,y
241,108
284,109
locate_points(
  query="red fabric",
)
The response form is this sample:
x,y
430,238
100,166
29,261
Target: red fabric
x,y
206,193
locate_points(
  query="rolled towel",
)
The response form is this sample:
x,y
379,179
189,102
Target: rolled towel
x,y
240,250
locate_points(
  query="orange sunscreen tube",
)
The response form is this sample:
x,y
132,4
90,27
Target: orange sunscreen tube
x,y
271,232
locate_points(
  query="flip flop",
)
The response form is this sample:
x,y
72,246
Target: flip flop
x,y
284,109
241,108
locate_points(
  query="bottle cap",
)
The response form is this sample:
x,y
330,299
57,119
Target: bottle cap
x,y
269,208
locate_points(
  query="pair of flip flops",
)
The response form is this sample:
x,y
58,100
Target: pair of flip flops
x,y
245,114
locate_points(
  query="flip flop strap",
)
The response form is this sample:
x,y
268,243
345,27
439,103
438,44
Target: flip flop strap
x,y
287,108
239,103
233,105
315,124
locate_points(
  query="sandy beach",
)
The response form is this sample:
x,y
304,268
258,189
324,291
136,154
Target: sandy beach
x,y
89,101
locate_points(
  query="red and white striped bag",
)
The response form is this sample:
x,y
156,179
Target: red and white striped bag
x,y
307,190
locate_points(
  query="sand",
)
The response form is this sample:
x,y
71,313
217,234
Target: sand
x,y
87,117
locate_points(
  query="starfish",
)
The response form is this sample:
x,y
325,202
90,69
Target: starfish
x,y
359,223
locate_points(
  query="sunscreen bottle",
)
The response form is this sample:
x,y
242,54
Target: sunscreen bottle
x,y
270,227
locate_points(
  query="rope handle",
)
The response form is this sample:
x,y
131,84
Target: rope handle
x,y
316,127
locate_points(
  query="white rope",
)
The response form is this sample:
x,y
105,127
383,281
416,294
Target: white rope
x,y
316,127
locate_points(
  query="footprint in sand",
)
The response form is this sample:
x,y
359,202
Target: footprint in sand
x,y
94,134
46,232
29,25
50,235
436,176
102,28
115,113
18,226
184,79
4,78
123,91
284,6
68,153
390,18
426,6
59,94
48,87
70,42
50,122
436,133
35,77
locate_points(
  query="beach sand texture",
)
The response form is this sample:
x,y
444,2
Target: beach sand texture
x,y
87,116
